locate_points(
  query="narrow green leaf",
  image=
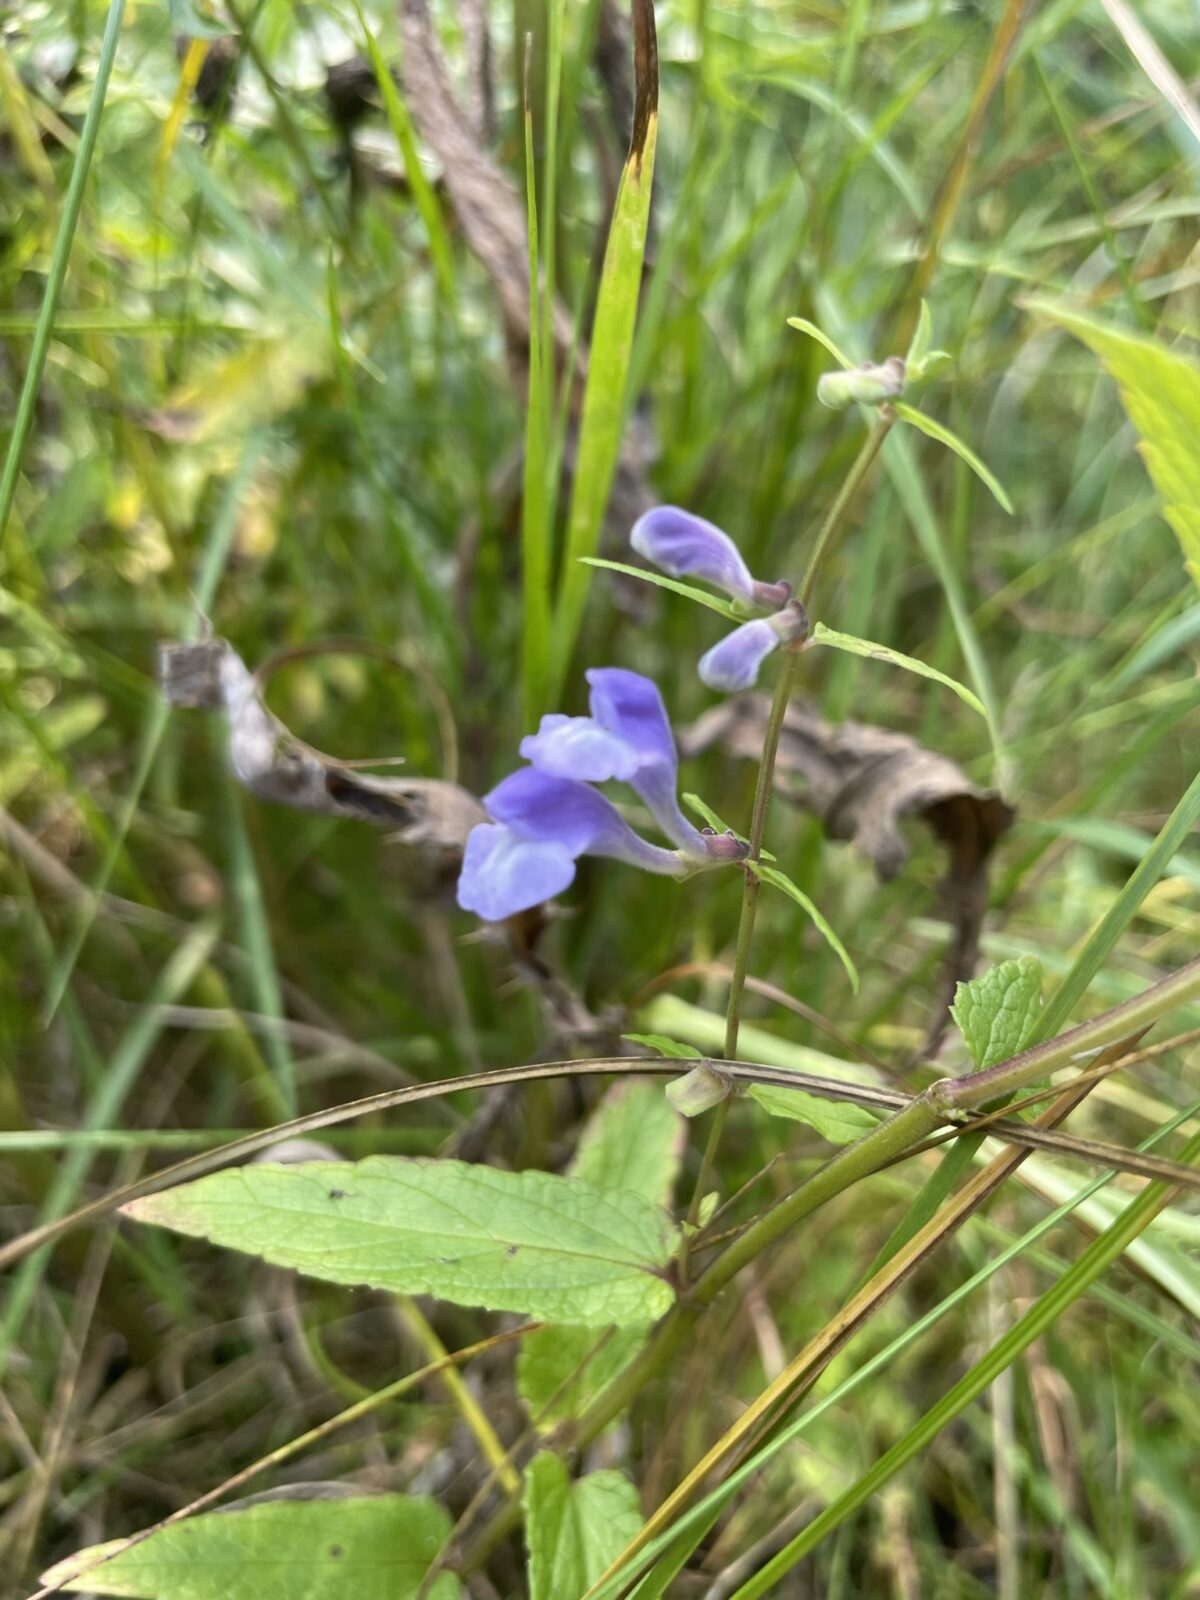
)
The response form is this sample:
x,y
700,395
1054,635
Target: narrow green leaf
x,y
813,332
780,880
665,1047
574,1530
723,608
936,430
835,1120
428,207
59,258
535,497
922,340
1044,1312
996,1012
375,1547
1160,390
882,652
530,1242
605,401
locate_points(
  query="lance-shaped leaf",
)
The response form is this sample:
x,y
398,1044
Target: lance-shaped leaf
x,y
374,1547
1160,389
603,414
529,1242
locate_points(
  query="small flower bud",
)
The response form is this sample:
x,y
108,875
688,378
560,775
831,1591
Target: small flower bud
x,y
869,383
698,1090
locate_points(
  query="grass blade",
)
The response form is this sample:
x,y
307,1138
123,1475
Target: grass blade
x,y
58,264
604,397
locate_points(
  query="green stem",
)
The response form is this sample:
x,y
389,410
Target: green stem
x,y
892,1139
827,538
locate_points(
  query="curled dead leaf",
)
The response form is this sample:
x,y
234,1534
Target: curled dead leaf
x,y
431,818
863,782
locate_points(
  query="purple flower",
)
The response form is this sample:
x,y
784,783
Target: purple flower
x,y
732,665
542,824
628,736
686,546
547,815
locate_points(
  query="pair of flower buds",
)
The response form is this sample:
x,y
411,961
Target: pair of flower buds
x,y
548,814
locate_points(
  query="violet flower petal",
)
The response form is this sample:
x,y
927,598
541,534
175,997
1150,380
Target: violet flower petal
x,y
733,663
630,706
579,747
562,811
686,546
503,873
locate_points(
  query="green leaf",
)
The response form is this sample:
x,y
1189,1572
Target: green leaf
x,y
835,1120
780,880
665,1047
723,608
194,24
574,1530
602,417
997,1011
882,652
558,1376
813,332
922,341
633,1140
375,1547
530,1242
935,430
1160,391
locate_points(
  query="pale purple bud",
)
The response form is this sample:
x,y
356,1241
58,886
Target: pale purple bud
x,y
686,546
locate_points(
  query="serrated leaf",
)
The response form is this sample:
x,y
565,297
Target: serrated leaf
x,y
835,1120
936,430
670,1048
558,1376
882,652
1160,391
802,325
574,1530
780,880
996,1012
633,1140
529,1242
723,608
375,1547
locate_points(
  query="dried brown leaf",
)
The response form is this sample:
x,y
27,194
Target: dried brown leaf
x,y
864,782
431,817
